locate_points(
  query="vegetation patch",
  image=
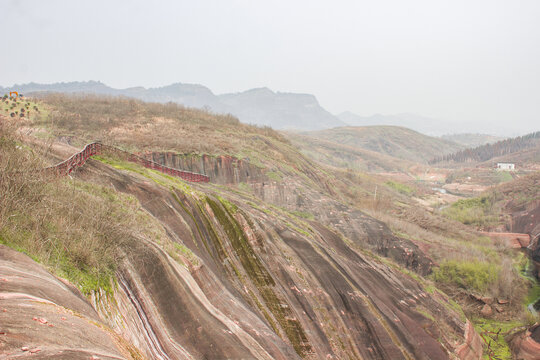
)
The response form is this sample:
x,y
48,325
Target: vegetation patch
x,y
504,176
493,333
470,275
476,211
303,214
399,187
73,231
274,175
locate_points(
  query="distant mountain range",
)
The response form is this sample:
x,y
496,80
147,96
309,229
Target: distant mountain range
x,y
472,140
257,106
429,126
425,125
261,106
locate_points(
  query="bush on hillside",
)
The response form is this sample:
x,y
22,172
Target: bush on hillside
x,y
476,211
470,275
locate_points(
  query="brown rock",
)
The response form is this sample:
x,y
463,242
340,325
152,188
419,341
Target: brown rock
x,y
475,297
487,300
524,346
499,309
32,300
502,302
486,311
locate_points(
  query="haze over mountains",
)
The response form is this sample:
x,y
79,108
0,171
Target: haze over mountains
x,y
397,142
433,127
262,106
256,106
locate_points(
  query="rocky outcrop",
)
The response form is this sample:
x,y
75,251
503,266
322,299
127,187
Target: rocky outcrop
x,y
46,317
527,220
513,240
472,347
526,344
291,194
221,169
262,287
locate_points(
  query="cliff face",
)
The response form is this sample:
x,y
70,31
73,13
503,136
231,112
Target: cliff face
x,y
251,282
526,221
221,169
292,193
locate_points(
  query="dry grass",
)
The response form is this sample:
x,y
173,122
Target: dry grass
x,y
138,125
73,227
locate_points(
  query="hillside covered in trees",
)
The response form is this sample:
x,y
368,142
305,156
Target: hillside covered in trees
x,y
490,151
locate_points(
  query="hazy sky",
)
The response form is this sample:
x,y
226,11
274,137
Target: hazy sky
x,y
471,60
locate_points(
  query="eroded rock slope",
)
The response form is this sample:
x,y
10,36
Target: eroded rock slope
x,y
250,281
45,317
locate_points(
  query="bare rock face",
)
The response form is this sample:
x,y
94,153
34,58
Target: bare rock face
x,y
527,220
486,311
526,344
221,169
473,347
267,289
360,228
45,317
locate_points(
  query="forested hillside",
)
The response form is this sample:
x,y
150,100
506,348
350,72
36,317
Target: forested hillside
x,y
490,151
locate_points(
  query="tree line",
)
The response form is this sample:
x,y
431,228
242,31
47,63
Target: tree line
x,y
489,151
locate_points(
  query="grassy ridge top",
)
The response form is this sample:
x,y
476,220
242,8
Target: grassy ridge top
x,y
395,141
148,125
346,156
139,126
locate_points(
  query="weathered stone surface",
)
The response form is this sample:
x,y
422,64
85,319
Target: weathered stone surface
x,y
472,348
267,285
221,169
526,344
46,317
487,300
360,228
263,289
486,311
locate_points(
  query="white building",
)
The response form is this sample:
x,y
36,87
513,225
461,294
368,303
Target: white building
x,y
506,166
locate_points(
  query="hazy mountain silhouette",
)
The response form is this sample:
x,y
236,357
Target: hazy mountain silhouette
x,y
256,106
419,123
280,110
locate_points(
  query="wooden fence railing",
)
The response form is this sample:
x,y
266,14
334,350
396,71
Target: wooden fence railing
x,y
79,159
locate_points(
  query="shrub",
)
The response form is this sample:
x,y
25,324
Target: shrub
x,y
402,188
475,211
470,275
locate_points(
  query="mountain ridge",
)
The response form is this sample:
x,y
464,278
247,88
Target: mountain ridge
x,y
396,141
258,106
